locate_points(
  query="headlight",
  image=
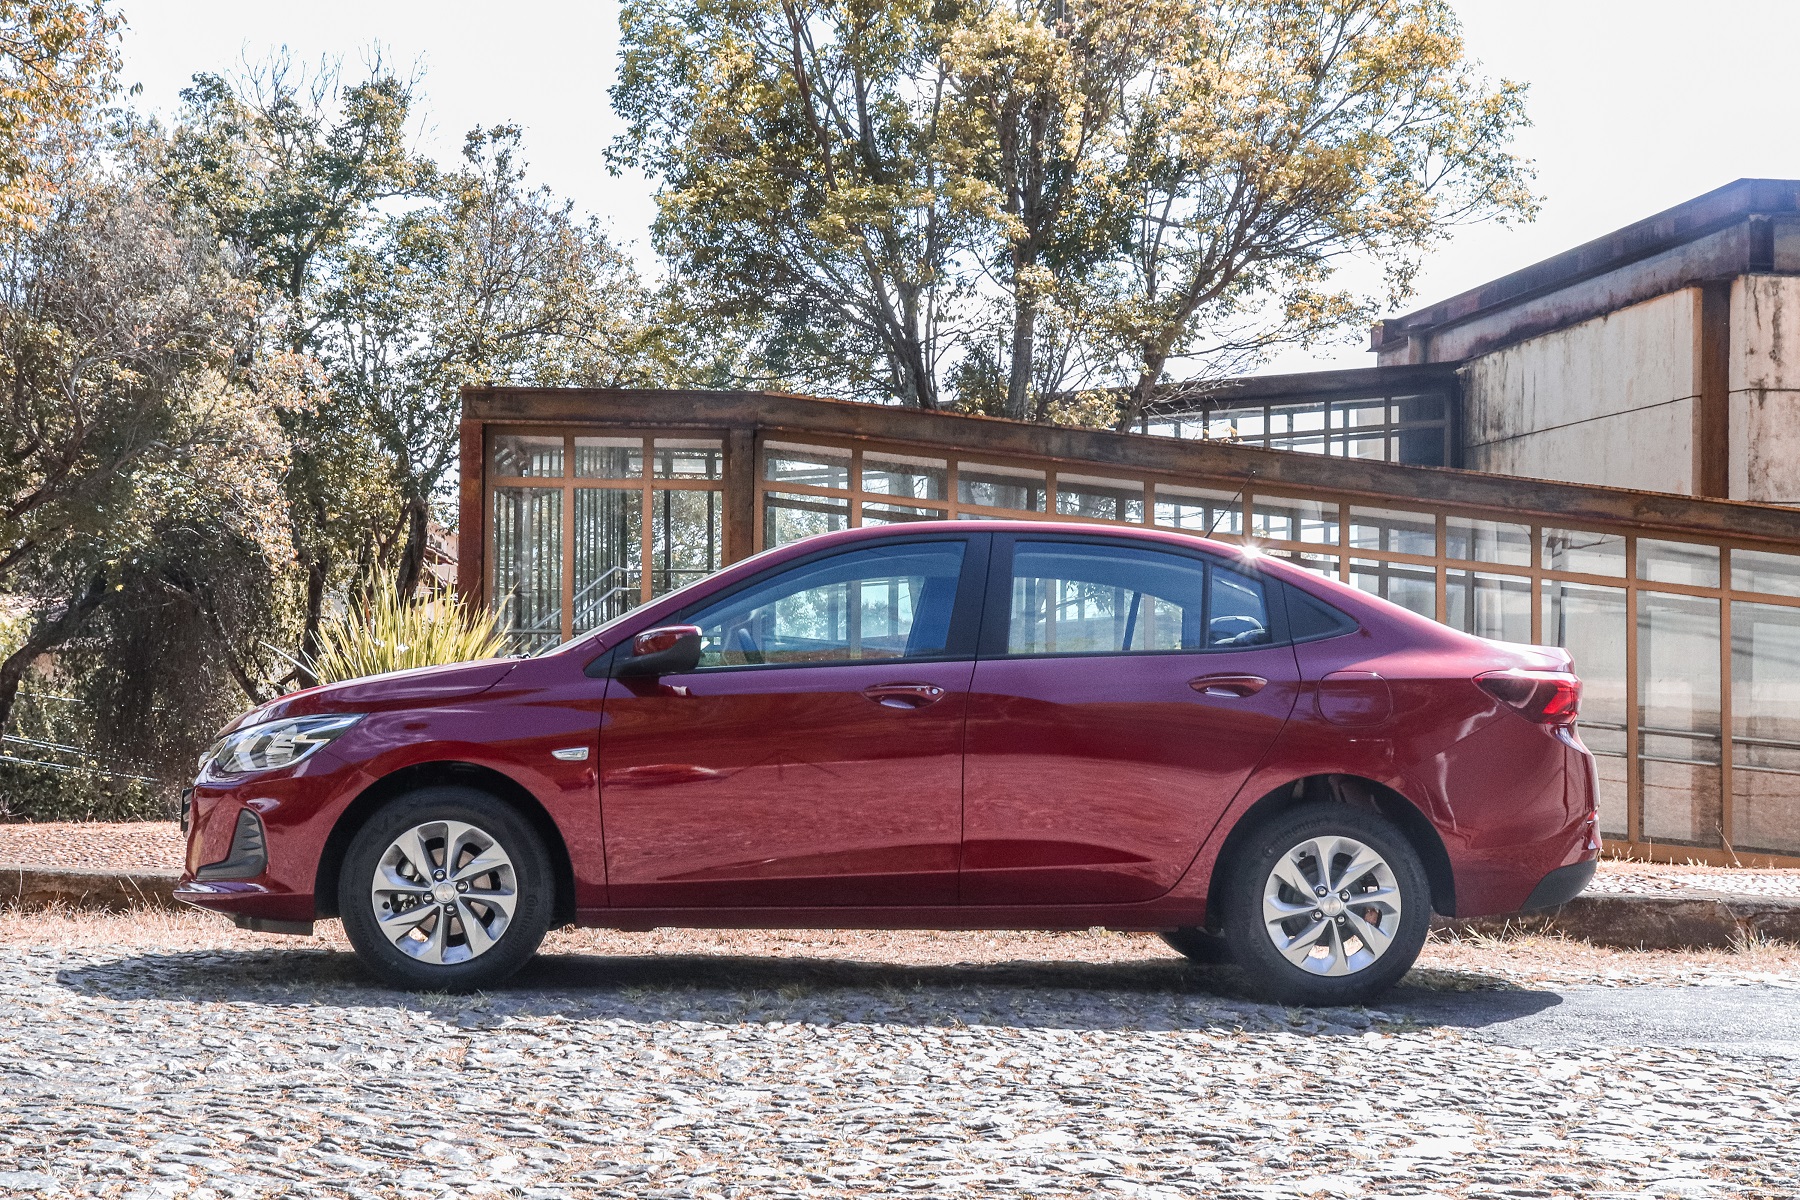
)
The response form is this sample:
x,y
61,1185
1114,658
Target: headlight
x,y
273,744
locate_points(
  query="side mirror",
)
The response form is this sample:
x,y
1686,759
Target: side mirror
x,y
665,650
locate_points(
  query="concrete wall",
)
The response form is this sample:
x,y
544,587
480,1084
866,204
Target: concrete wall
x,y
1765,389
1608,401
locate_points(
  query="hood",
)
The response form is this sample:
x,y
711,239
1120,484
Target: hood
x,y
396,689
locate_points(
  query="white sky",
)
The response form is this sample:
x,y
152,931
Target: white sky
x,y
1637,104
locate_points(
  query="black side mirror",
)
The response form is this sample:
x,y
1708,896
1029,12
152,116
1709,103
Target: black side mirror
x,y
666,650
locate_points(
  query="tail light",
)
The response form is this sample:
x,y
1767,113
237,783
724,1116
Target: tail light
x,y
1547,697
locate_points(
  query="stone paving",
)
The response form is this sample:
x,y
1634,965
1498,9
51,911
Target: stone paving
x,y
146,1072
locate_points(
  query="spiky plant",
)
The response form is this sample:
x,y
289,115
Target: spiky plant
x,y
391,635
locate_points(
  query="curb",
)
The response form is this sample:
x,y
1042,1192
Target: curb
x,y
1689,921
31,889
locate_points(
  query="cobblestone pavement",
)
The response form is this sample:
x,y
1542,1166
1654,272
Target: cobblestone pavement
x,y
254,1071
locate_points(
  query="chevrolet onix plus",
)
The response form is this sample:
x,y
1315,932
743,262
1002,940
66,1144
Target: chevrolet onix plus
x,y
968,725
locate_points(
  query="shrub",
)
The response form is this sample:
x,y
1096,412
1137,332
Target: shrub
x,y
31,792
392,635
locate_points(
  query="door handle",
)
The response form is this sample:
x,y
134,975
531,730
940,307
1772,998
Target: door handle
x,y
904,695
1233,687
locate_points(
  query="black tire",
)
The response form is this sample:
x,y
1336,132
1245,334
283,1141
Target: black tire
x,y
528,876
1270,973
1197,945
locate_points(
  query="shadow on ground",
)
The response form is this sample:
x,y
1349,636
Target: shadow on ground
x,y
1151,994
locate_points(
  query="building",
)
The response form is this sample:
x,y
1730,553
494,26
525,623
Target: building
x,y
1593,452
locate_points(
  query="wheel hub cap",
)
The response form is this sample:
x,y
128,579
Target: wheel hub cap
x,y
1346,935
444,892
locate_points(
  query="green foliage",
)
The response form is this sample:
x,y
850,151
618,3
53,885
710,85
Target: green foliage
x,y
392,634
38,793
1017,201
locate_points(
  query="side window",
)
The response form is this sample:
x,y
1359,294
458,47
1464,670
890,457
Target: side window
x,y
1091,598
883,602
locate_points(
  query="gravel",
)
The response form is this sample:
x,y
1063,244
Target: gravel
x,y
158,1067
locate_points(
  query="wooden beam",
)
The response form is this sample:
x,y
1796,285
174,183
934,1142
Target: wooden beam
x,y
471,539
797,416
1712,411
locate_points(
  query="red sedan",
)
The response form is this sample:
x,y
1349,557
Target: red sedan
x,y
945,725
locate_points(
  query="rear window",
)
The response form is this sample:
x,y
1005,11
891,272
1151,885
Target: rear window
x,y
1310,619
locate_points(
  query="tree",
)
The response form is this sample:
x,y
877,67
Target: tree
x,y
289,167
491,281
1276,138
119,374
1037,88
57,59
803,191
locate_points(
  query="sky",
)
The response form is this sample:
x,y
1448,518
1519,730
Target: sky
x,y
1636,105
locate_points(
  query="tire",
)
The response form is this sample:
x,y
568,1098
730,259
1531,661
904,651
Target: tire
x,y
1197,945
1333,958
482,943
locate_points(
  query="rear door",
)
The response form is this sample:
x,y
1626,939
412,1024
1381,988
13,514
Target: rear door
x,y
1123,694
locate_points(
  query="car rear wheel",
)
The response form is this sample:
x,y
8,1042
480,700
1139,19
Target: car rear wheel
x,y
1328,905
446,889
1198,945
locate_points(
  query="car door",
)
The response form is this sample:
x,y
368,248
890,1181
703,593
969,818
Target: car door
x,y
1123,694
815,756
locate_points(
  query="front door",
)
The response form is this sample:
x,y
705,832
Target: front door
x,y
815,757
1123,695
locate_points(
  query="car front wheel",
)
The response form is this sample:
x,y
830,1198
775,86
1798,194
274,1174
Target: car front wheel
x,y
1328,905
446,889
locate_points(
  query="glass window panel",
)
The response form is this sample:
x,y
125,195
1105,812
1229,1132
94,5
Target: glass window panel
x,y
1591,623
1199,510
528,564
528,456
1019,488
899,514
1076,598
1296,418
1359,414
1411,587
812,466
685,537
1584,552
1392,530
1101,499
907,478
1490,606
881,602
1311,443
1764,571
687,458
1319,563
1420,408
1678,562
1678,704
788,517
1289,520
609,458
1370,446
1765,726
1422,445
608,559
1487,541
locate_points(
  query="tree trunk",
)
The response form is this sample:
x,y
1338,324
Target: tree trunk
x,y
1021,366
412,555
317,569
45,636
1139,397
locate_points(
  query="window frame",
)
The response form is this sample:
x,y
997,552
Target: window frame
x,y
965,611
996,619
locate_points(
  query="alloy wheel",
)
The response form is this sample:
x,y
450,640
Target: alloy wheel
x,y
1331,905
444,892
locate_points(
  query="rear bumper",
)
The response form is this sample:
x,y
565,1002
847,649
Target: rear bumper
x,y
1560,886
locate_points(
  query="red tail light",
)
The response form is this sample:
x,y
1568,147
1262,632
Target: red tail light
x,y
1547,697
